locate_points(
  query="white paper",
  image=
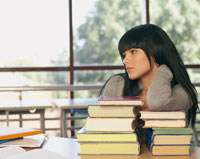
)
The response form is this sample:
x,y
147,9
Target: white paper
x,y
37,154
10,151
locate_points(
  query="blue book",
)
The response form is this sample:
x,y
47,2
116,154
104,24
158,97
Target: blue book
x,y
3,141
148,137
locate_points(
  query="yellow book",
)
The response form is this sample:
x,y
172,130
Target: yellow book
x,y
16,132
110,124
111,148
110,157
170,150
83,136
113,111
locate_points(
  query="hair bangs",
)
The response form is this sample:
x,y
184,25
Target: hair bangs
x,y
131,39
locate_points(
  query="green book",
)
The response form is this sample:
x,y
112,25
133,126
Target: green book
x,y
172,131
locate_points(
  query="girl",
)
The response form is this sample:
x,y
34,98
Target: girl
x,y
154,71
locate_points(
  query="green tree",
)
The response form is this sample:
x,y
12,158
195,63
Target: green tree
x,y
180,19
100,34
103,28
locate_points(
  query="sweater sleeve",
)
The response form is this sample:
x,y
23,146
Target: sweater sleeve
x,y
114,87
160,95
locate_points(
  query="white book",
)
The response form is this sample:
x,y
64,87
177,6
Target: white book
x,y
16,152
146,114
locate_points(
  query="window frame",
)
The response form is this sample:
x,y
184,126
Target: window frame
x,y
70,69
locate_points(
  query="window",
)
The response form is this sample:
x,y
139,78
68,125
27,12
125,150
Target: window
x,y
98,26
34,33
180,19
36,45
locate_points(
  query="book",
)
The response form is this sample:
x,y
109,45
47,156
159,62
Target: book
x,y
113,111
129,148
28,141
164,123
16,132
16,152
4,141
171,131
146,114
144,154
170,150
120,100
83,136
175,136
89,156
110,124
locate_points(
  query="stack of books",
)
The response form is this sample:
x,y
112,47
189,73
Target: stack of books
x,y
171,119
174,141
169,135
23,137
112,127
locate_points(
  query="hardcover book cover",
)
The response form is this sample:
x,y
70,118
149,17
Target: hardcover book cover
x,y
156,123
120,100
113,111
110,124
147,114
83,136
121,148
173,136
170,150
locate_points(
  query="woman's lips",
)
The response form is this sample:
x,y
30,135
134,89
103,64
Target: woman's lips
x,y
128,69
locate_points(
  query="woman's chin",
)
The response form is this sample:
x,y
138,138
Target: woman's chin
x,y
131,77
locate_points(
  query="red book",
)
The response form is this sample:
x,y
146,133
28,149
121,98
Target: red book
x,y
120,100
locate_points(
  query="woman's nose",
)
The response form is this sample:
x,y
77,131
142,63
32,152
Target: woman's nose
x,y
125,60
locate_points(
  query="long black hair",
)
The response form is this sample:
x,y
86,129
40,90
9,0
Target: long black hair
x,y
156,43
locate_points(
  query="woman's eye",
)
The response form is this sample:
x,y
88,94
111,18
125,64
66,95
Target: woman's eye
x,y
133,51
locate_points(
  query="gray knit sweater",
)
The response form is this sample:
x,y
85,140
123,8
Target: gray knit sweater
x,y
160,95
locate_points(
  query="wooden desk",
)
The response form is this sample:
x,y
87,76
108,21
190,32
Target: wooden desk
x,y
70,148
25,106
66,105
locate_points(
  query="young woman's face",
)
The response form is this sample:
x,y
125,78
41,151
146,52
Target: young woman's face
x,y
136,62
